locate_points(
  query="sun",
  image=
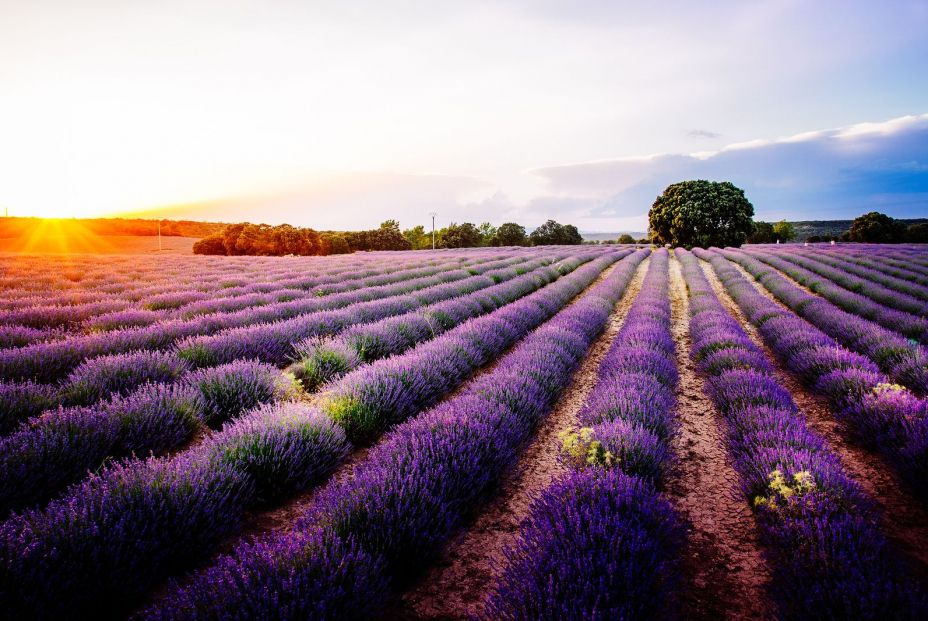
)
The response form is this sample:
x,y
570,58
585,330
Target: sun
x,y
60,236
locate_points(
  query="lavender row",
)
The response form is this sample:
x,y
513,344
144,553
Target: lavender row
x,y
279,302
601,542
51,361
230,277
866,275
828,556
94,552
47,454
883,415
294,290
373,398
56,549
53,312
59,448
811,271
370,534
103,279
324,360
119,373
904,270
274,342
902,322
57,316
900,359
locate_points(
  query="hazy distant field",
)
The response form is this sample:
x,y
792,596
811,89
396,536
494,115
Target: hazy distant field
x,y
115,244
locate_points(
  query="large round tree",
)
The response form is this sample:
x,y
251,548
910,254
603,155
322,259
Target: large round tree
x,y
701,213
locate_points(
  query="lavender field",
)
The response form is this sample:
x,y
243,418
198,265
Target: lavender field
x,y
558,432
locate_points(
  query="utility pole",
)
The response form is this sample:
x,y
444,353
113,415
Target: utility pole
x,y
433,214
159,235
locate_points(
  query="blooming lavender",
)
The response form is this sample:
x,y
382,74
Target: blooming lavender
x,y
409,495
883,415
601,542
901,359
118,374
828,556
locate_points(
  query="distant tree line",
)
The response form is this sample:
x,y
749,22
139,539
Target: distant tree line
x,y
267,240
771,232
878,228
873,228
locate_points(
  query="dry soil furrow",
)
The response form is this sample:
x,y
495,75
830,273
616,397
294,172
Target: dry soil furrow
x,y
725,574
456,584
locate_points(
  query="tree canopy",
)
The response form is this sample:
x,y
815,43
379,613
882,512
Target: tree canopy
x,y
784,231
262,239
701,213
464,235
876,228
511,234
917,233
761,233
553,233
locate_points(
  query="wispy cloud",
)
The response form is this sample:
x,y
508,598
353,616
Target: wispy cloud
x,y
703,133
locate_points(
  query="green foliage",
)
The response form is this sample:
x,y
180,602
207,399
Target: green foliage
x,y
387,237
701,213
917,233
334,243
264,240
552,233
625,238
260,239
761,233
784,231
417,237
487,234
511,234
464,235
209,245
360,422
319,365
876,228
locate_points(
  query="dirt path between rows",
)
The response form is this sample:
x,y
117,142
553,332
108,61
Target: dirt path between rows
x,y
724,573
457,583
904,519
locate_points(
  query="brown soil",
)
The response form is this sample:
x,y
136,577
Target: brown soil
x,y
456,585
725,574
904,519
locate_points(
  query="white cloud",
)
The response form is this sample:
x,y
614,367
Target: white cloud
x,y
820,174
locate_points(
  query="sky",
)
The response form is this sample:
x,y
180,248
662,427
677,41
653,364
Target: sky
x,y
339,115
